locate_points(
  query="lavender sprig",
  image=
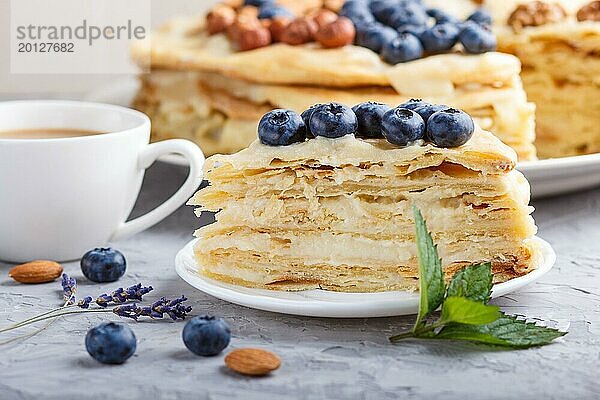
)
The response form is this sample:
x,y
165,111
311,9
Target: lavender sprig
x,y
69,286
174,308
121,296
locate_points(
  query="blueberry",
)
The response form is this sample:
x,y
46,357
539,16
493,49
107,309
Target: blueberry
x,y
281,128
441,16
369,119
271,11
357,12
258,3
481,16
426,110
110,343
409,13
440,38
206,336
333,120
405,47
416,30
450,128
103,265
413,104
477,39
374,36
402,126
306,114
383,9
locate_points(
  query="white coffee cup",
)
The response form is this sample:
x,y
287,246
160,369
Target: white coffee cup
x,y
60,197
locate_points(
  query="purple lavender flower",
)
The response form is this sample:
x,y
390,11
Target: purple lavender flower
x,y
121,296
174,308
69,286
85,302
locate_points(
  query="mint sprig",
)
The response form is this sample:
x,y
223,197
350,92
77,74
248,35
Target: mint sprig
x,y
465,313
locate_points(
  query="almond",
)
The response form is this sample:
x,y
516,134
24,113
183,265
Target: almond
x,y
254,362
336,34
38,271
299,31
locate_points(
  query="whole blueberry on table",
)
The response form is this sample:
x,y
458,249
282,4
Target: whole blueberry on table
x,y
306,114
427,110
405,47
206,335
481,16
477,39
103,265
369,116
373,36
442,16
439,38
401,126
110,343
333,120
271,11
413,104
281,128
450,128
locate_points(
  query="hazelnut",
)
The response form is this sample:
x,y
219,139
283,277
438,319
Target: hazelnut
x,y
233,3
299,31
250,12
323,17
589,12
535,13
219,19
333,5
278,25
253,38
242,22
337,33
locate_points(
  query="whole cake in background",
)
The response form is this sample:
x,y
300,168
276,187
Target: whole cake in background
x,y
214,76
323,200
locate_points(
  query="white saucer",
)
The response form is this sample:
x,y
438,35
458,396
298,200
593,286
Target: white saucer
x,y
547,177
322,303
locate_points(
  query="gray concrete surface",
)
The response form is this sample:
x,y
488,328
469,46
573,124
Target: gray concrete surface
x,y
322,358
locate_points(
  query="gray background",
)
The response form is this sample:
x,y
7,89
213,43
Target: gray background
x,y
321,358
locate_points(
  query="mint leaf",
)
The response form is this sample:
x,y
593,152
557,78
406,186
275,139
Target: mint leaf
x,y
474,283
431,277
465,311
505,331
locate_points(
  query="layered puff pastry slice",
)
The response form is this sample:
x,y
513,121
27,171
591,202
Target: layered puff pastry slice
x,y
336,214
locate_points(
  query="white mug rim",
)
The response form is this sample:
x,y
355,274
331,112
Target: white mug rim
x,y
69,105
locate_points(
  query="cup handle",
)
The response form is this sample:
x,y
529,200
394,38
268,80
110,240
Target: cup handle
x,y
148,156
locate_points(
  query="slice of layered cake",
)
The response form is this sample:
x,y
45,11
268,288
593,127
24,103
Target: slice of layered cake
x,y
324,200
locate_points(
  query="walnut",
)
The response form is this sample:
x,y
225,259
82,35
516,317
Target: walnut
x,y
299,31
219,19
323,17
589,12
278,25
253,38
337,33
535,13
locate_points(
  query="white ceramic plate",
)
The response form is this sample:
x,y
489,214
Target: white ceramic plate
x,y
547,177
322,303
